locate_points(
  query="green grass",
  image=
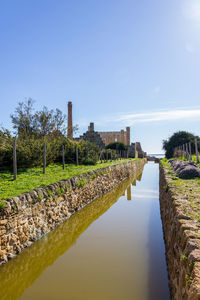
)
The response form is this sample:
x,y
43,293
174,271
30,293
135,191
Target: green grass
x,y
194,158
187,189
33,178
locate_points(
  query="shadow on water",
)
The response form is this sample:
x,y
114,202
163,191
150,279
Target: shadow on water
x,y
158,276
21,272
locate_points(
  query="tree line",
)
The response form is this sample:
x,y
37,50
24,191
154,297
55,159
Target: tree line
x,y
34,128
178,139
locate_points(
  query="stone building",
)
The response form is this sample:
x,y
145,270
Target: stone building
x,y
107,137
122,136
135,150
93,136
103,138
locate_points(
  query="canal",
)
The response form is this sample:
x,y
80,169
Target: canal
x,y
112,249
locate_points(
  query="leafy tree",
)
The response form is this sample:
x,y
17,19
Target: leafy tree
x,y
28,123
23,119
178,139
116,146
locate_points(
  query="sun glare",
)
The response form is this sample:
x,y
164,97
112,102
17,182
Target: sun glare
x,y
192,10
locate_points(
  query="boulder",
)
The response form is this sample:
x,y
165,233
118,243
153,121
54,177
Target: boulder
x,y
184,169
189,172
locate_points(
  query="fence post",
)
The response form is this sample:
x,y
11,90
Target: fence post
x,y
14,159
190,151
76,155
196,150
187,152
44,158
184,151
107,155
63,156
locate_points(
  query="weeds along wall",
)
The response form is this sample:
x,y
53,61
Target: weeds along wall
x,y
182,242
30,216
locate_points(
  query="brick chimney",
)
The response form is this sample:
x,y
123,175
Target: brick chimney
x,y
128,136
70,124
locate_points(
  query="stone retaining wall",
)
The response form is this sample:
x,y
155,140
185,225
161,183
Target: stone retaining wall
x,y
182,241
31,215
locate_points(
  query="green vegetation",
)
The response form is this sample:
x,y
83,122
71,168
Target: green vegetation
x,y
33,129
183,257
188,278
166,188
33,177
184,189
82,182
178,139
116,146
2,204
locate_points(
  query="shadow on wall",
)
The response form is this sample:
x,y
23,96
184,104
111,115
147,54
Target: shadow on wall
x,y
18,274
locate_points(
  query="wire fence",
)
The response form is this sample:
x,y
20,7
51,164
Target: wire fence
x,y
188,151
77,157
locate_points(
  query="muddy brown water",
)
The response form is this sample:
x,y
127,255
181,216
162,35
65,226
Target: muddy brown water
x,y
112,249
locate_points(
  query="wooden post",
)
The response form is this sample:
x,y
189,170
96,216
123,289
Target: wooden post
x,y
107,155
127,154
87,155
76,155
14,159
196,150
44,158
190,151
63,156
184,151
187,152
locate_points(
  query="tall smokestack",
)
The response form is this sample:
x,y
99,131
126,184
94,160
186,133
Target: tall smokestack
x,y
70,124
128,136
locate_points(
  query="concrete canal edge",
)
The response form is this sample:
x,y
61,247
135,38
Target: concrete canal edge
x,y
182,242
31,215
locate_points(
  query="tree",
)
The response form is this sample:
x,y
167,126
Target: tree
x,y
116,146
178,139
23,119
28,123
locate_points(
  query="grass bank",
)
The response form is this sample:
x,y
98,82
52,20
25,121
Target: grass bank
x,y
187,190
32,178
193,158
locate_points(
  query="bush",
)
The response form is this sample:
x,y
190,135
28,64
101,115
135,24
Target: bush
x,y
116,146
178,139
88,161
30,151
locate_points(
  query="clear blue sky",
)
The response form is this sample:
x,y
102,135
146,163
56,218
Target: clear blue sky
x,y
121,62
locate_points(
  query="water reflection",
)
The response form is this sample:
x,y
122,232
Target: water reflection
x,y
129,192
20,273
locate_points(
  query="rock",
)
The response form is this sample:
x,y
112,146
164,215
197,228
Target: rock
x,y
184,169
189,172
194,255
3,222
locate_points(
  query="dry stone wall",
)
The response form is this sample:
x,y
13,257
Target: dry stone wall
x,y
30,216
182,241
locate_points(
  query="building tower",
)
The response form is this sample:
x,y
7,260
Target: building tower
x,y
70,124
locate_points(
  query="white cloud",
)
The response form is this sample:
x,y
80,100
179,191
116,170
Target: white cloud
x,y
157,116
129,119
